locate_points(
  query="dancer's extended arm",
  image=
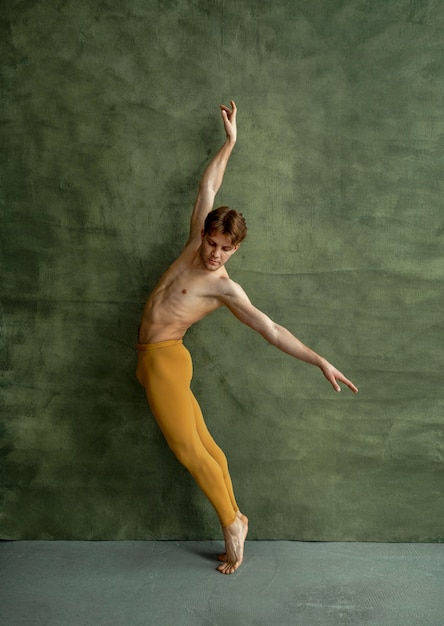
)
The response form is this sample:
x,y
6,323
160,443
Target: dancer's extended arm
x,y
234,297
213,176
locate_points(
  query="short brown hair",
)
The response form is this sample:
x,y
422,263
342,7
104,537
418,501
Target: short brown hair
x,y
228,222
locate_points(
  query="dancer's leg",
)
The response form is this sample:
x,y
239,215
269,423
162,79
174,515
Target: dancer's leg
x,y
165,373
215,451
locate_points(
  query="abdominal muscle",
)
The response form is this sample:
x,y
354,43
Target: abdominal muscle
x,y
168,315
159,323
183,296
153,333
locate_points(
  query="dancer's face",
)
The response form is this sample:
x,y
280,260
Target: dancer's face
x,y
216,250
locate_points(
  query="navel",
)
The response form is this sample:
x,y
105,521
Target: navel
x,y
184,290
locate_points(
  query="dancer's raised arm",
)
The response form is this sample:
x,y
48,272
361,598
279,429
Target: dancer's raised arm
x,y
213,176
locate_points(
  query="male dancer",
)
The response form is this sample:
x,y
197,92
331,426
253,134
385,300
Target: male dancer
x,y
194,285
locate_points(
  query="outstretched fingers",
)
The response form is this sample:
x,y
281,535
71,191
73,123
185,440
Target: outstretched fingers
x,y
333,375
227,110
229,119
339,376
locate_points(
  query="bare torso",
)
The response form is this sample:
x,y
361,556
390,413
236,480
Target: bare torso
x,y
186,293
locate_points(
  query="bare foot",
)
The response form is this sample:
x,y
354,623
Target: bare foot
x,y
234,535
223,557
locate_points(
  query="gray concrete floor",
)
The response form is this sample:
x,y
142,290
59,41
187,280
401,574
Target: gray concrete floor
x,y
169,583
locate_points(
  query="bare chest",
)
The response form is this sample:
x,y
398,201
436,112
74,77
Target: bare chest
x,y
190,295
183,297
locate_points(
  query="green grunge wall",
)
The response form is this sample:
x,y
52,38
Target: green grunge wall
x,y
110,114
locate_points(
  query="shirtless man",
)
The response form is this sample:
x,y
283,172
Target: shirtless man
x,y
196,284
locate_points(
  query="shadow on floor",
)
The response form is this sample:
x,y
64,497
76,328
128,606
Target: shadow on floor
x,y
168,583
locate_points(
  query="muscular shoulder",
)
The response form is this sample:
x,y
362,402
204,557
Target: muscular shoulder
x,y
232,295
228,290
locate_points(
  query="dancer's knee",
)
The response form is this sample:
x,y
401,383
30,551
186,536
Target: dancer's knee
x,y
186,454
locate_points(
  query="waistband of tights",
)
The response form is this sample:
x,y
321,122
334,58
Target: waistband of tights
x,y
160,344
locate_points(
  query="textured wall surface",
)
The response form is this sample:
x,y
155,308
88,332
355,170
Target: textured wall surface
x,y
110,114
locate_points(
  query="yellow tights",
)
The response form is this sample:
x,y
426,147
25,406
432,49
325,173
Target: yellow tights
x,y
165,370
